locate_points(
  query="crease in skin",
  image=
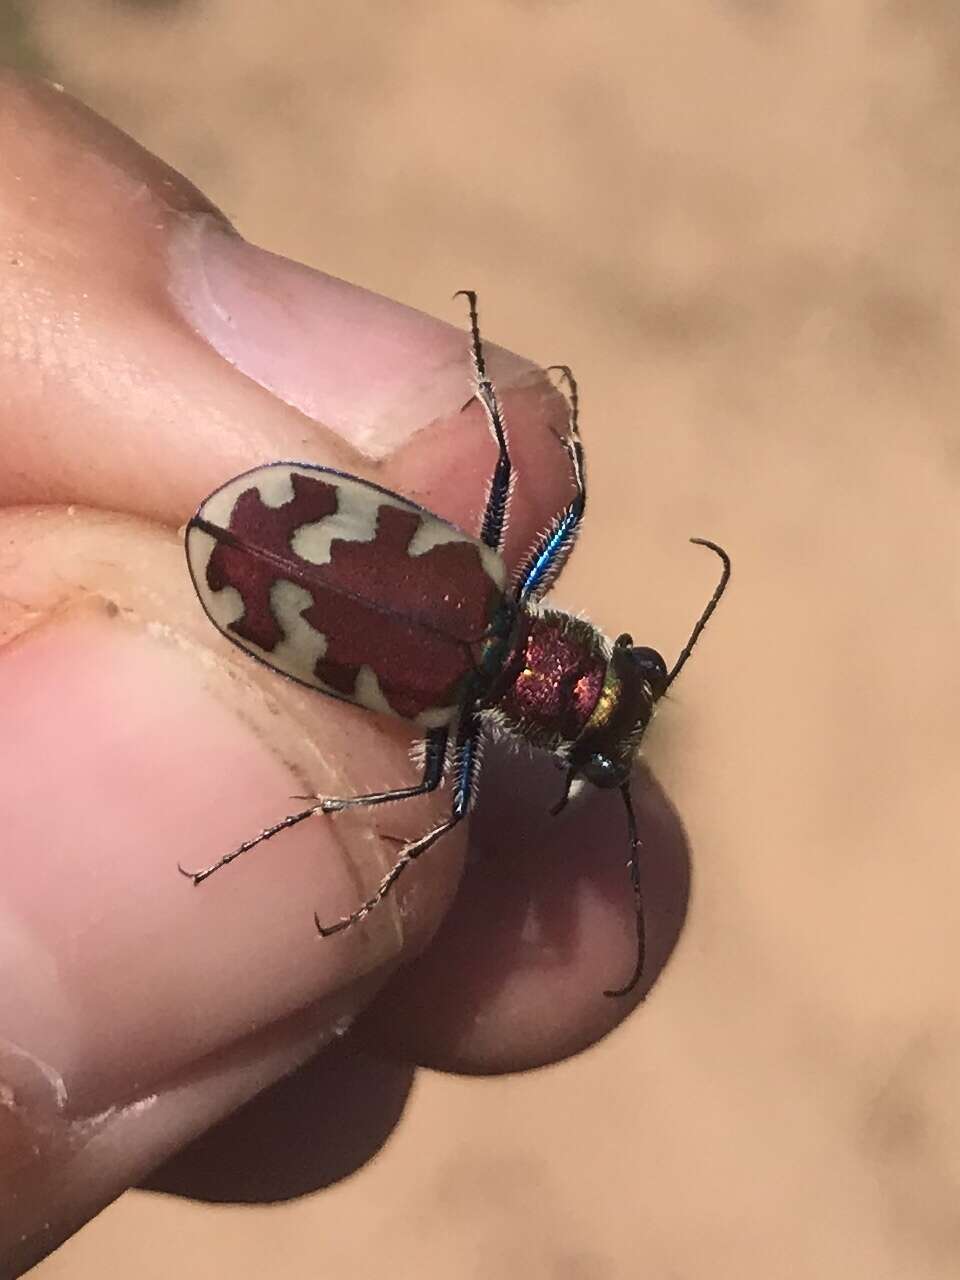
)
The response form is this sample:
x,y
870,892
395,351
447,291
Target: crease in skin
x,y
16,619
36,1134
16,629
26,1080
36,1091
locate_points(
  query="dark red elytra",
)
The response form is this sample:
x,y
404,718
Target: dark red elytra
x,y
397,604
361,594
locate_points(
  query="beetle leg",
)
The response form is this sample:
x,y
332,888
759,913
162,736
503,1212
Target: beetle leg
x,y
435,752
467,770
498,496
552,548
633,866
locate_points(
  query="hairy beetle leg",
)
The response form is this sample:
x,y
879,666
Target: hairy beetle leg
x,y
410,853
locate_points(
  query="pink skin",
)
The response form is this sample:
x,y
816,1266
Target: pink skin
x,y
148,355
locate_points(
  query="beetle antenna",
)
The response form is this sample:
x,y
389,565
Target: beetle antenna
x,y
708,611
633,866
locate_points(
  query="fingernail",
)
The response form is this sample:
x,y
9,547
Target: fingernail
x,y
367,368
118,972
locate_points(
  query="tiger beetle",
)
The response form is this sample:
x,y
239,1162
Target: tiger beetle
x,y
357,592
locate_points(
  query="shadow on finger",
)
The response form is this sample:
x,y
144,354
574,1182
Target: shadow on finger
x,y
514,979
544,921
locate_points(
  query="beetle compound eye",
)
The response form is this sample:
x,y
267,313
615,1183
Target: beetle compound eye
x,y
602,772
652,665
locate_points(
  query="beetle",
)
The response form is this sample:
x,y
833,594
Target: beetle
x,y
362,594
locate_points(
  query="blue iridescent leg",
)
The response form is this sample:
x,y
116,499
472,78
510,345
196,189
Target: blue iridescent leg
x,y
552,548
466,769
498,496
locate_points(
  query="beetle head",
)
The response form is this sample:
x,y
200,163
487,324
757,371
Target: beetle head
x,y
604,754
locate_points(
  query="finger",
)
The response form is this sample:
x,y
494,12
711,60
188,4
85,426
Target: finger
x,y
139,733
155,353
127,742
541,927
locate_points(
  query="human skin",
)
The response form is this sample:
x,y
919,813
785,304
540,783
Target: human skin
x,y
146,355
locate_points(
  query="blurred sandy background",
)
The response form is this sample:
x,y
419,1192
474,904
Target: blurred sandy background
x,y
738,221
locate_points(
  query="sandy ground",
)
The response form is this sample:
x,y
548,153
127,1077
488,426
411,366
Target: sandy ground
x,y
738,222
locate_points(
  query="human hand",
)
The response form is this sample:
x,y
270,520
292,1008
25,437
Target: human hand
x,y
148,355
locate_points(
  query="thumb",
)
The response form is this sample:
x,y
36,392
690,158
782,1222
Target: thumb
x,y
157,355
